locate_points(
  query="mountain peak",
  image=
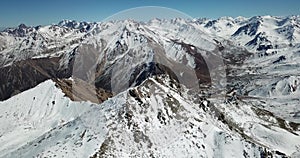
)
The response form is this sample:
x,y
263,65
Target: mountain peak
x,y
22,26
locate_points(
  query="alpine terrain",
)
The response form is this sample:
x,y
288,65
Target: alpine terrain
x,y
228,87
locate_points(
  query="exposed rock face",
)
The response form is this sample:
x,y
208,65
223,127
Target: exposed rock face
x,y
26,74
79,90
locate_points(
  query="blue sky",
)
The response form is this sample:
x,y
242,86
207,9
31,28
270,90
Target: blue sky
x,y
40,12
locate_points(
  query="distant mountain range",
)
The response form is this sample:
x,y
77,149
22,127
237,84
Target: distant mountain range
x,y
165,88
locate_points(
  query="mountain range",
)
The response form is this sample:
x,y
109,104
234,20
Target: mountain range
x,y
227,87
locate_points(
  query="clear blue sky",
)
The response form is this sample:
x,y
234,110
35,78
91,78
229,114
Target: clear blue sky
x,y
40,12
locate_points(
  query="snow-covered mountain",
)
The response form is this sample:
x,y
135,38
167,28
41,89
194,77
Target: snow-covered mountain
x,y
165,88
257,33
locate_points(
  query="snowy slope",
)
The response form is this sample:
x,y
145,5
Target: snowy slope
x,y
149,120
29,115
